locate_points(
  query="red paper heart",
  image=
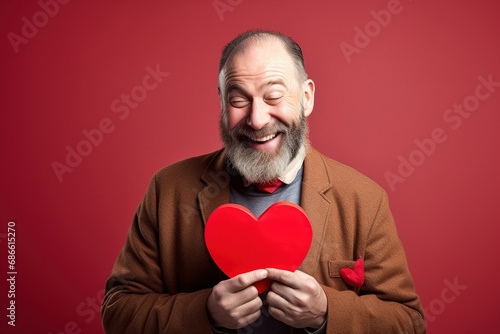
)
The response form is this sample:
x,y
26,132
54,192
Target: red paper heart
x,y
239,242
356,276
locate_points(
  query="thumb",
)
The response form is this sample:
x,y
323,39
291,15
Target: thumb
x,y
244,280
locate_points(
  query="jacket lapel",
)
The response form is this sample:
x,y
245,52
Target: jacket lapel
x,y
216,191
315,183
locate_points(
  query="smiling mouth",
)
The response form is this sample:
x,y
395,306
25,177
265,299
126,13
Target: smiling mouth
x,y
262,140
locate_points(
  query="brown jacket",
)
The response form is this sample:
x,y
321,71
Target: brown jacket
x,y
164,274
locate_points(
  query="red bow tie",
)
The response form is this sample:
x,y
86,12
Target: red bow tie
x,y
269,186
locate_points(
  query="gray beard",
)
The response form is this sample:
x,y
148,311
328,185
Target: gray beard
x,y
257,166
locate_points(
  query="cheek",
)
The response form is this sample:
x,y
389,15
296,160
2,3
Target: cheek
x,y
288,112
235,116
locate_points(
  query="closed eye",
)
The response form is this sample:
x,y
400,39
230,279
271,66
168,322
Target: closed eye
x,y
238,102
273,99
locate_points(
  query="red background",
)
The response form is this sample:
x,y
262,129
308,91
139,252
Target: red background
x,y
368,112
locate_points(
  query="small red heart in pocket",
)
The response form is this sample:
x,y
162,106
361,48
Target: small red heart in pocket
x,y
239,242
356,276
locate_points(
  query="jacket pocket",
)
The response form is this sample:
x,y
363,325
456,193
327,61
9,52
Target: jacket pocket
x,y
334,273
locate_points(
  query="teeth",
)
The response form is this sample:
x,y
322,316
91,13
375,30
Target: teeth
x,y
264,139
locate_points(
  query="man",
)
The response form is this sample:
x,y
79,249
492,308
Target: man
x,y
164,280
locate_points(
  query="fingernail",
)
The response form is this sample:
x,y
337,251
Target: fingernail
x,y
263,273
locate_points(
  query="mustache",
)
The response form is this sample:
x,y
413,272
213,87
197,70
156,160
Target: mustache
x,y
243,130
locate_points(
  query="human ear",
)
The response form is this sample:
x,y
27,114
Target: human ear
x,y
308,96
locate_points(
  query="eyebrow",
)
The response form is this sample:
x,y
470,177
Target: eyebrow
x,y
235,86
276,82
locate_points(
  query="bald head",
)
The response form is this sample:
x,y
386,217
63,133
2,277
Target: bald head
x,y
261,37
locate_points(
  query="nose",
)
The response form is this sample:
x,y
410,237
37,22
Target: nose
x,y
259,114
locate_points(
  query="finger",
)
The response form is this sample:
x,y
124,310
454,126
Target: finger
x,y
248,311
230,299
277,300
245,320
278,314
249,319
243,281
300,289
278,308
237,317
284,291
285,277
237,290
233,310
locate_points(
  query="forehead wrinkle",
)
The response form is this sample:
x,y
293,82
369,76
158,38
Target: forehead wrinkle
x,y
259,81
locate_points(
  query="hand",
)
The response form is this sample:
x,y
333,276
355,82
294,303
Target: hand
x,y
296,299
235,303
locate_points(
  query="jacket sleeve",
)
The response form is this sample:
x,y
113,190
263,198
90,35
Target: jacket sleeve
x,y
387,302
135,300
